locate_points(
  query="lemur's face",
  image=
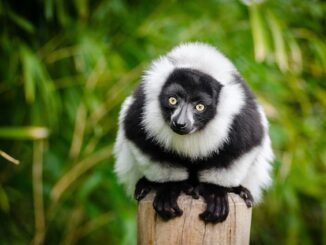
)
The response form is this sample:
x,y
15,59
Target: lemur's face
x,y
188,100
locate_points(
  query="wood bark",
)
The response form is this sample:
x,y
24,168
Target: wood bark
x,y
189,229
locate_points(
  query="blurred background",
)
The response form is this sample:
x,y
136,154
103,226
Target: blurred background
x,y
65,68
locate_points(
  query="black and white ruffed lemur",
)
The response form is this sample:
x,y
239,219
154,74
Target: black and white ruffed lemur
x,y
193,126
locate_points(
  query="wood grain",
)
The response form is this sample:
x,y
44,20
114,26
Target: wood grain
x,y
189,229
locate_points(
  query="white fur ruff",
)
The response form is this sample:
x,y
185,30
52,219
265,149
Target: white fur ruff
x,y
208,60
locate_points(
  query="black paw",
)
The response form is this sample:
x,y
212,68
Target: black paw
x,y
165,202
216,198
143,187
245,194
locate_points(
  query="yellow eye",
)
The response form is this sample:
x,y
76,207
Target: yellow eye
x,y
173,101
200,107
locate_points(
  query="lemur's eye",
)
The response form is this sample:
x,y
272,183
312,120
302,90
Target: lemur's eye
x,y
200,107
173,101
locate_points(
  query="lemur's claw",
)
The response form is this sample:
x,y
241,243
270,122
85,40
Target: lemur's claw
x,y
245,194
139,195
143,187
191,191
195,194
216,198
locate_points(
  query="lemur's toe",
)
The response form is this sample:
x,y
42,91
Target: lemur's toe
x,y
217,208
191,191
143,187
166,206
140,194
245,194
165,201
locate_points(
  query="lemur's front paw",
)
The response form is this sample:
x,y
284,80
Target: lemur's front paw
x,y
143,187
245,194
216,198
165,202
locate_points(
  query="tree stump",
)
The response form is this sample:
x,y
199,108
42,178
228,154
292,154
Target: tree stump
x,y
189,229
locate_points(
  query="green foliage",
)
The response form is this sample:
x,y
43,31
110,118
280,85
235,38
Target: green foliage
x,y
66,67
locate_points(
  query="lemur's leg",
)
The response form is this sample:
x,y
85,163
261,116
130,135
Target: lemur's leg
x,y
191,185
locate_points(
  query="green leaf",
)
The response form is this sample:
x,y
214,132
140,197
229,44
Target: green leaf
x,y
4,201
30,71
279,43
259,33
39,88
320,49
21,22
21,133
296,55
49,9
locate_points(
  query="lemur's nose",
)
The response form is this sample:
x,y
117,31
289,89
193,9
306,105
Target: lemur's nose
x,y
180,125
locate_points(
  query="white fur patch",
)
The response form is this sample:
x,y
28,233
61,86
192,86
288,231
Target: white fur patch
x,y
125,166
258,177
234,174
157,172
206,59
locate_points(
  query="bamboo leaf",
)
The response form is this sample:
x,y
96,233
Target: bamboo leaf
x,y
279,43
82,7
38,86
22,133
320,49
258,33
38,202
76,171
4,201
296,55
21,22
49,9
8,157
29,67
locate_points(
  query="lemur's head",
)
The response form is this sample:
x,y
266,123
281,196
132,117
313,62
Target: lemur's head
x,y
188,100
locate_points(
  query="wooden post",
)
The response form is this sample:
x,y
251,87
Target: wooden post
x,y
189,229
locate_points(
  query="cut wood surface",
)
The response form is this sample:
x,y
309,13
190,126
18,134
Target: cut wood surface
x,y
189,229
